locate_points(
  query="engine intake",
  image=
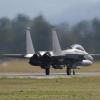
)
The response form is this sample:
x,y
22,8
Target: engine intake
x,y
35,59
46,59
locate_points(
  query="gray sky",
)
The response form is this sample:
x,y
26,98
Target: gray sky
x,y
55,11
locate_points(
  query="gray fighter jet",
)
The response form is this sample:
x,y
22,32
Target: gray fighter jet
x,y
57,58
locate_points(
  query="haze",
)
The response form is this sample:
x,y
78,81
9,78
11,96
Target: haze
x,y
55,11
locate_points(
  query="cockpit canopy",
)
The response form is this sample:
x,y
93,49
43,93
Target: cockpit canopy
x,y
77,46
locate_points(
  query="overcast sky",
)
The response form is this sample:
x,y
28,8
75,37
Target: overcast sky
x,y
56,11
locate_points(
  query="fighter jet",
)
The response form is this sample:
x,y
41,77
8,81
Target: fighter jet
x,y
57,58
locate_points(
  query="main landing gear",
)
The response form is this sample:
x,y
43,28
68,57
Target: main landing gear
x,y
73,71
69,71
47,71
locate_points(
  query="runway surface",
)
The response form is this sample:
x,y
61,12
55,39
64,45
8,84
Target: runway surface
x,y
51,76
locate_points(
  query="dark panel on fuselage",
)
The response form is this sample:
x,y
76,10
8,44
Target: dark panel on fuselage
x,y
67,59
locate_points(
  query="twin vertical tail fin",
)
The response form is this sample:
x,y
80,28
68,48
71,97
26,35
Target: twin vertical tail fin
x,y
55,43
29,44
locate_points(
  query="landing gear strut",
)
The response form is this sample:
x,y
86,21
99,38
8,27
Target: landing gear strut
x,y
47,71
73,72
68,71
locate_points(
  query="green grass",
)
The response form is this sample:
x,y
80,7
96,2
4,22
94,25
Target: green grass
x,y
50,89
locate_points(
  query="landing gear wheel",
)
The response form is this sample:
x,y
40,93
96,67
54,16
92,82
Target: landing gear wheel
x,y
47,71
68,71
73,72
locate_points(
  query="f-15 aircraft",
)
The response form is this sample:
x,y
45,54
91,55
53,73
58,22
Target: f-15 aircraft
x,y
70,58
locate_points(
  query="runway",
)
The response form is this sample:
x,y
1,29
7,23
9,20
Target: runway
x,y
51,76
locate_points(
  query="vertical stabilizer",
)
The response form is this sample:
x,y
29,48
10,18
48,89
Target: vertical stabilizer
x,y
29,44
55,43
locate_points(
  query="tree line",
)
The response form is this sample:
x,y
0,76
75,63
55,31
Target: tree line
x,y
12,34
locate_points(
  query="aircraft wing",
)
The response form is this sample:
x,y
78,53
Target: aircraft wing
x,y
95,54
14,55
29,48
9,57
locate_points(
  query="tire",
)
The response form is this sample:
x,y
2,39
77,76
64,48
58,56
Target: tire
x,y
68,71
73,72
47,71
